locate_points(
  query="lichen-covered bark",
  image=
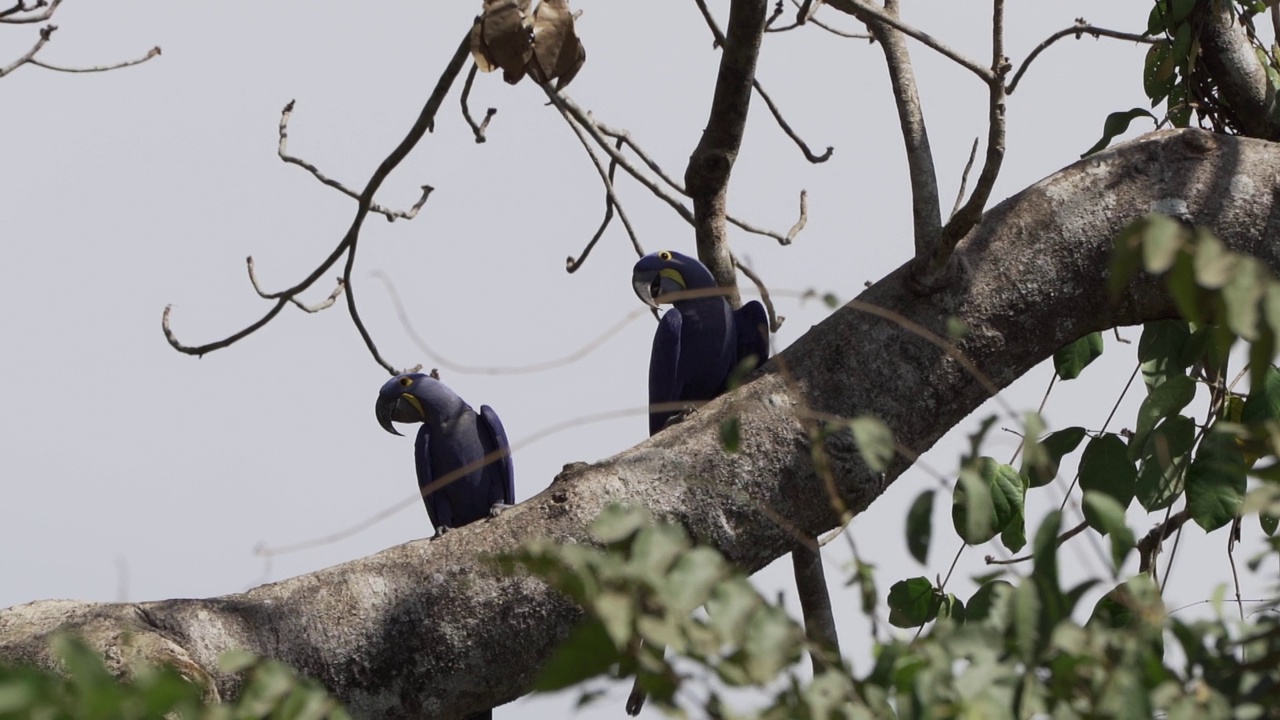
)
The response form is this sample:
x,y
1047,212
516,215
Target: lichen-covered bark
x,y
409,631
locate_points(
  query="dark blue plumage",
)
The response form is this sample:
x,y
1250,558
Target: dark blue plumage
x,y
453,439
701,339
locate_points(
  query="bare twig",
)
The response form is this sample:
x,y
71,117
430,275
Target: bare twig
x,y
6,16
775,320
1081,28
476,129
926,210
786,128
572,265
964,178
991,560
322,305
153,52
282,150
349,241
867,12
46,33
606,177
768,101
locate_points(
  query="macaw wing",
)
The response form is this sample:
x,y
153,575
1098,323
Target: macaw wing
x,y
490,422
752,325
438,509
665,383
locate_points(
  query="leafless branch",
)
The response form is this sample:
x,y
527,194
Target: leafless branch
x,y
930,270
46,33
282,150
349,241
1081,28
768,101
322,305
866,12
153,52
786,128
479,129
1149,545
706,176
6,16
775,320
964,178
601,134
782,239
926,209
804,16
992,560
572,265
611,196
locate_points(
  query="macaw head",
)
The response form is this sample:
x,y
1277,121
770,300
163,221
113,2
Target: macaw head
x,y
666,272
415,397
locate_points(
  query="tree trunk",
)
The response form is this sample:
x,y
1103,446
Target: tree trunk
x,y
418,630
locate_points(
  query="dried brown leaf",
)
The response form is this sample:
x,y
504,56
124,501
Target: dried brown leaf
x,y
557,52
479,52
506,37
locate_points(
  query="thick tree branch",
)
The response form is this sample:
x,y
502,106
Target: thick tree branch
x,y
1241,80
926,210
409,632
706,177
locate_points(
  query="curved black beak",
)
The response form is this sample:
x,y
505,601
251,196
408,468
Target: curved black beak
x,y
648,286
385,410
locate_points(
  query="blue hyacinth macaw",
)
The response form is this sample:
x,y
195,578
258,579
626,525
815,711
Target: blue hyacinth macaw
x,y
701,339
452,437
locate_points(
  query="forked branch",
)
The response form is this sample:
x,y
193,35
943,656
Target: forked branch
x,y
347,246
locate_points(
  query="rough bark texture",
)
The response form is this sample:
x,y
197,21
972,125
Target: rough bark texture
x,y
1241,79
406,633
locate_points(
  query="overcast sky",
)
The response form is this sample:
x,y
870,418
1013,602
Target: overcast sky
x,y
133,472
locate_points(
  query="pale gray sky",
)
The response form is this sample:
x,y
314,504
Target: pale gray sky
x,y
131,471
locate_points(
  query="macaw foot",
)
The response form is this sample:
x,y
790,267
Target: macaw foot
x,y
498,508
675,419
440,531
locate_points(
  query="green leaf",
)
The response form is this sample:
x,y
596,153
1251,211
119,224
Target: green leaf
x,y
1126,257
874,440
1027,621
1164,463
1242,296
1214,264
1190,299
690,582
1160,350
987,497
1215,481
617,613
586,653
1076,356
984,600
1111,519
1181,47
656,548
1116,124
617,523
773,642
920,526
1157,72
1269,523
1162,239
234,661
731,435
1014,534
1164,400
953,608
1179,10
1263,402
1056,445
1130,604
913,602
730,607
1105,467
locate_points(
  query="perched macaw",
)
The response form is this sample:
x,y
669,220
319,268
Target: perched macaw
x,y
699,342
452,437
701,339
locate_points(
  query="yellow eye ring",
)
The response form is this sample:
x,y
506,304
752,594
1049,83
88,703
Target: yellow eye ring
x,y
406,381
664,255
